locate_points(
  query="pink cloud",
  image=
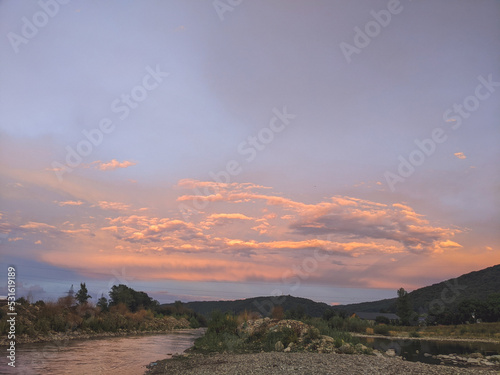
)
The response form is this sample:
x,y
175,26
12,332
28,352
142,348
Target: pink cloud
x,y
111,165
70,203
117,206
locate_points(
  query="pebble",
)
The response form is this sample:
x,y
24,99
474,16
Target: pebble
x,y
274,363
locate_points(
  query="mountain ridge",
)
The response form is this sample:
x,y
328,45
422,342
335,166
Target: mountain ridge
x,y
448,293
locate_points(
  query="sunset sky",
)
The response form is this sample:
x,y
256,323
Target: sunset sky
x,y
333,150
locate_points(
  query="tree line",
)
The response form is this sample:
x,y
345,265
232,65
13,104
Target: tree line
x,y
125,310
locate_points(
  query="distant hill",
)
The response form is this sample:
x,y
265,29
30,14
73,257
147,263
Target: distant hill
x,y
474,285
262,305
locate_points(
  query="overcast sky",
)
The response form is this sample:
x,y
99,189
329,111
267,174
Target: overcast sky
x,y
196,150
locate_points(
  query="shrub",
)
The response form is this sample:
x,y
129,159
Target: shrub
x,y
193,322
311,335
336,322
339,335
414,334
355,325
381,329
285,335
220,335
382,320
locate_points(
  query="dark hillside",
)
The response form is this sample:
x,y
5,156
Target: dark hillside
x,y
261,305
474,285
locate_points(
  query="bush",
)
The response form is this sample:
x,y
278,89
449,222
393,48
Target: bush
x,y
355,325
221,334
193,322
339,335
311,335
336,322
220,323
381,329
382,320
414,334
285,335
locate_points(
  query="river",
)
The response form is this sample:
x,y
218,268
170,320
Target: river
x,y
127,355
416,349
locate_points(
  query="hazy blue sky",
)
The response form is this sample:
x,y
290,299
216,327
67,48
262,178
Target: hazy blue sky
x,y
243,150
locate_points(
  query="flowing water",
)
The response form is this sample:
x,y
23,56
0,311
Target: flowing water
x,y
111,355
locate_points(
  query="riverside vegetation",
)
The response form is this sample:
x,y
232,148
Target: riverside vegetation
x,y
247,343
248,333
73,316
334,331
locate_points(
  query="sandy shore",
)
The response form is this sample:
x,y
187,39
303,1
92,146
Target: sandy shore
x,y
301,363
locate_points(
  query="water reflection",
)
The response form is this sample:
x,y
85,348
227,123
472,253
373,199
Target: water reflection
x,y
414,350
114,355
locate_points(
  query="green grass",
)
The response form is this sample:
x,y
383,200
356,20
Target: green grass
x,y
222,335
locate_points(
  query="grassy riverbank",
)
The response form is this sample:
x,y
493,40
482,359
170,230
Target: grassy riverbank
x,y
489,332
309,346
65,319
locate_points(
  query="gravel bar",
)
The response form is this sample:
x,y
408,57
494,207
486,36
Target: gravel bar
x,y
301,363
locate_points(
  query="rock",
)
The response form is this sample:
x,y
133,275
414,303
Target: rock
x,y
487,363
390,352
346,349
473,360
360,348
279,346
494,358
287,349
327,339
427,355
476,355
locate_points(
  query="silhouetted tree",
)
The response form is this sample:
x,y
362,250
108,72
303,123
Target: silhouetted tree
x,y
82,295
403,307
132,299
102,303
71,292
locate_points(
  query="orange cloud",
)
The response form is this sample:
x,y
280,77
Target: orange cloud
x,y
341,215
229,216
448,244
69,203
36,225
113,164
113,206
460,155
